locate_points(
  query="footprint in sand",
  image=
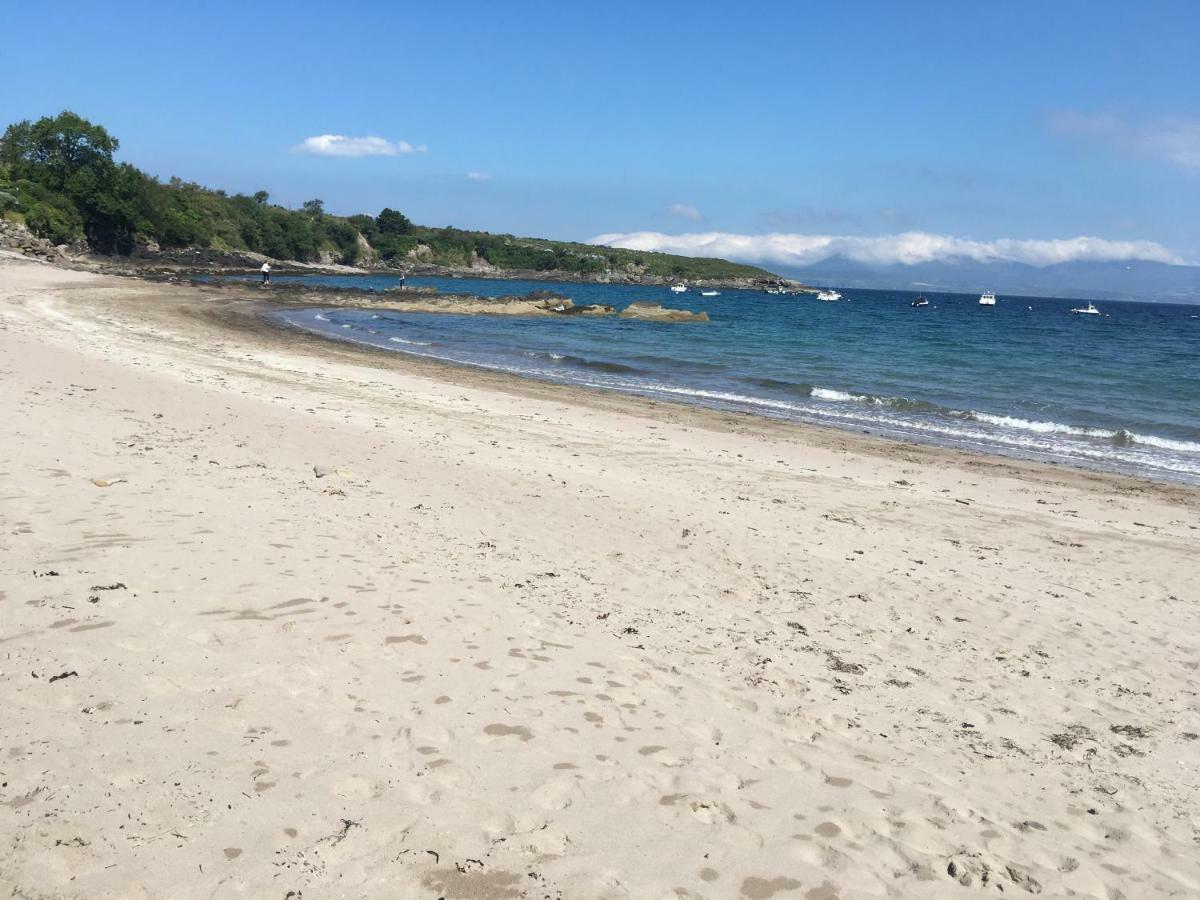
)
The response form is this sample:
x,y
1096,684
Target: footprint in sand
x,y
92,626
828,830
407,639
754,888
499,730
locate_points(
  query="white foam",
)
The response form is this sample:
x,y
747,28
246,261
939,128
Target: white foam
x,y
400,340
1041,427
1164,443
837,396
717,395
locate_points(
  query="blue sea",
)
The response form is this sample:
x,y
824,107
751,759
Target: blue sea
x,y
1117,392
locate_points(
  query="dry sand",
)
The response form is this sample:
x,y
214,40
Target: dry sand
x,y
520,641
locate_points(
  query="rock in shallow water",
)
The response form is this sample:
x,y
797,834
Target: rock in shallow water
x,y
656,312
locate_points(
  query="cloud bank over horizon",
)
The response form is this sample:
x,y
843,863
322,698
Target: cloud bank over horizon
x,y
907,248
341,145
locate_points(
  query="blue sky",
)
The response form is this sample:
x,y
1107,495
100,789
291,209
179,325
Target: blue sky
x,y
1018,121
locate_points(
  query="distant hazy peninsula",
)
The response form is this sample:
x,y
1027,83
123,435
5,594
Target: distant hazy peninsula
x,y
59,180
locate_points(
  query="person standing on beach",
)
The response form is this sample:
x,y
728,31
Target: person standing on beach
x,y
266,273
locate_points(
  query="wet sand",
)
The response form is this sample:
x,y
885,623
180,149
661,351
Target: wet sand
x,y
286,616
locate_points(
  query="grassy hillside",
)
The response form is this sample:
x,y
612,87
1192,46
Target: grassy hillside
x,y
58,177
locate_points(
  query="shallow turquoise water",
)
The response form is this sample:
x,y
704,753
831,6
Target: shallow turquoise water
x,y
1119,392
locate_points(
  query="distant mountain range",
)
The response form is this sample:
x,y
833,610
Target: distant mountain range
x,y
1126,280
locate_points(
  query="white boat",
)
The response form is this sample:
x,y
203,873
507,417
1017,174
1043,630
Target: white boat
x,y
987,298
680,288
829,296
1088,310
710,293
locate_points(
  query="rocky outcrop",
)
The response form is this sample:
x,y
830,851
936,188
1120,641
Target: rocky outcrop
x,y
479,264
656,312
560,305
16,237
543,304
366,253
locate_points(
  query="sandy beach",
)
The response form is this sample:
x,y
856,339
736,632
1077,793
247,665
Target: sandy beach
x,y
288,619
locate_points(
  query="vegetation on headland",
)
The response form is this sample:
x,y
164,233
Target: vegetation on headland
x,y
58,177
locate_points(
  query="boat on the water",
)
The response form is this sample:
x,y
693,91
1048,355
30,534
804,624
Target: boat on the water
x,y
710,293
1089,310
987,298
829,296
920,301
679,288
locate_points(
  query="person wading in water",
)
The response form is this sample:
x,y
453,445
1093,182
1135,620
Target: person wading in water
x,y
266,273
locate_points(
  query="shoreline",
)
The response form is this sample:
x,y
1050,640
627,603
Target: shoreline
x,y
995,452
694,414
285,614
853,438
250,315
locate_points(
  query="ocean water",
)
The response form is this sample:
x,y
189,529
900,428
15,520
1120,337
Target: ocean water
x,y
1117,392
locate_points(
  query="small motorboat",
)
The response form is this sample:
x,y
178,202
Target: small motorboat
x,y
710,293
679,288
1088,310
829,296
920,301
987,298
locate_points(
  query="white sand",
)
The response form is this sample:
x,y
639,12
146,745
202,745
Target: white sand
x,y
523,642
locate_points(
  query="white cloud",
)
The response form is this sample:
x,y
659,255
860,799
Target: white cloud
x,y
1175,140
340,145
685,211
908,248
479,176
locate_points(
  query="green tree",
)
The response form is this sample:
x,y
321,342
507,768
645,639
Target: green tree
x,y
54,150
391,222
